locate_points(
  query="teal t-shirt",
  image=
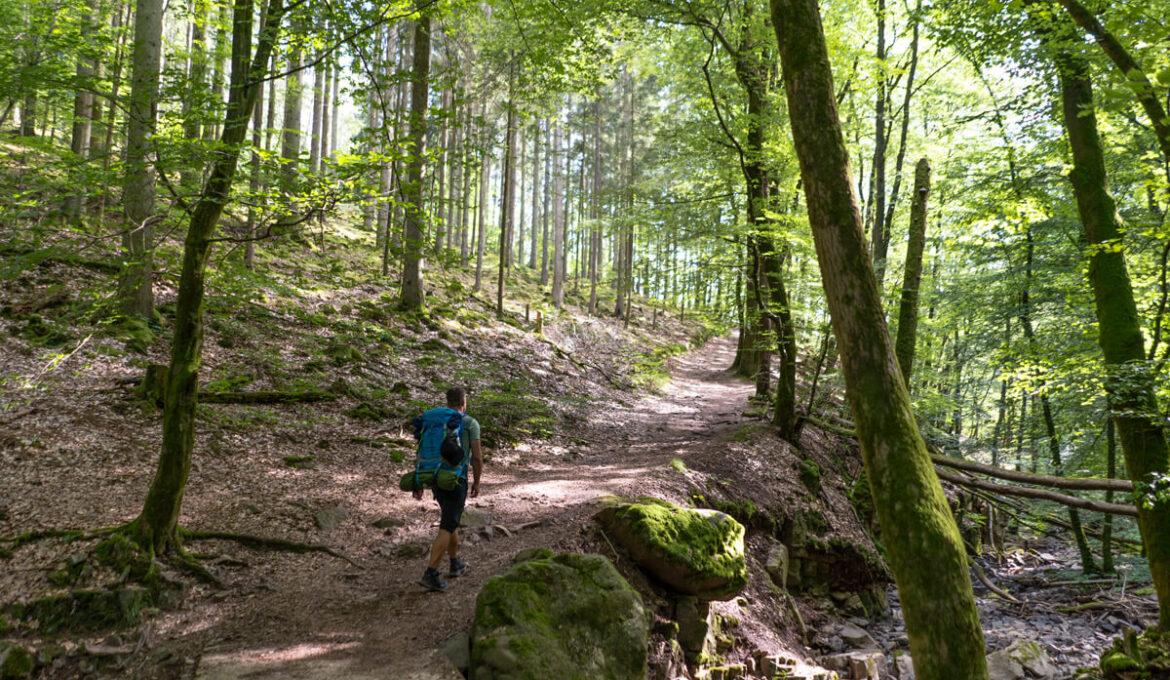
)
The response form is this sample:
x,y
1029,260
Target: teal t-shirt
x,y
468,433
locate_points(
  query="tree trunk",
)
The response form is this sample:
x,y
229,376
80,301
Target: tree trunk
x,y
1130,382
784,415
558,226
254,178
134,285
1110,473
156,527
336,100
318,110
887,230
536,189
290,146
912,280
881,240
926,553
326,112
415,228
82,129
507,203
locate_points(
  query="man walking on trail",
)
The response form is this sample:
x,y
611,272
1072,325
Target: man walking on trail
x,y
451,502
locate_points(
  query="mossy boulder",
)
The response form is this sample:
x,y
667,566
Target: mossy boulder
x,y
695,552
1137,657
567,616
90,610
15,661
136,333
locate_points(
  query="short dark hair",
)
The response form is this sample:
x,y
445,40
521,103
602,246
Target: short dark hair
x,y
455,397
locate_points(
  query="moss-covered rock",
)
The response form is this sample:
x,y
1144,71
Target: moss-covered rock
x,y
810,475
341,354
15,661
695,552
136,333
90,610
568,616
1138,657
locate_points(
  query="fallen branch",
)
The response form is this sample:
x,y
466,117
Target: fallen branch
x,y
1037,521
266,397
1041,494
982,576
1039,480
63,258
262,543
830,428
563,353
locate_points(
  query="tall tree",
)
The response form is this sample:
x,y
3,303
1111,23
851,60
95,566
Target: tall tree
x,y
415,228
156,528
926,553
1130,382
134,285
912,279
290,145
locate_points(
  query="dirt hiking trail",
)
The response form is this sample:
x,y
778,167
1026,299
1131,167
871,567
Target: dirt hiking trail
x,y
331,620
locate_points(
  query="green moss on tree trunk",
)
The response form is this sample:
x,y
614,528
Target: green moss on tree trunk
x,y
1130,379
157,527
925,551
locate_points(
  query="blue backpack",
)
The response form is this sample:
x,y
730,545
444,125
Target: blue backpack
x,y
439,461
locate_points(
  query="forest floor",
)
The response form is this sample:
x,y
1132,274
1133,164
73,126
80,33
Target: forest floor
x,y
378,622
588,410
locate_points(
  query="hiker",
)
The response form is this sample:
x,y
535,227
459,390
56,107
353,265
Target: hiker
x,y
451,502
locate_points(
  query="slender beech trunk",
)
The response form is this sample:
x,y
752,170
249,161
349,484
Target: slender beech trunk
x,y
485,176
1130,382
107,144
134,285
446,129
157,527
290,146
507,203
912,280
82,129
536,189
318,111
784,415
558,219
881,240
595,209
415,228
925,551
336,100
326,113
1110,473
887,230
254,178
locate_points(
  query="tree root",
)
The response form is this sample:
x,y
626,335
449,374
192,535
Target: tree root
x,y
263,543
187,562
15,542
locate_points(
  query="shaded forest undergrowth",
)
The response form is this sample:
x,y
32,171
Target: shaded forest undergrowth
x,y
329,373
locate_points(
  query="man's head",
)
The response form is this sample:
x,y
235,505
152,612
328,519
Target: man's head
x,y
457,398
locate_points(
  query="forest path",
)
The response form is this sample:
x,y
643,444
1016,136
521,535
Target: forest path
x,y
334,621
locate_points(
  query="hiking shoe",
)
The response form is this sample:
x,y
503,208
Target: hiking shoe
x,y
458,568
431,580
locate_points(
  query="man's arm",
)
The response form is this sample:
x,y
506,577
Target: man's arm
x,y
476,466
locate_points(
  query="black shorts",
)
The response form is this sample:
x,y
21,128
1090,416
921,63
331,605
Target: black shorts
x,y
451,503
